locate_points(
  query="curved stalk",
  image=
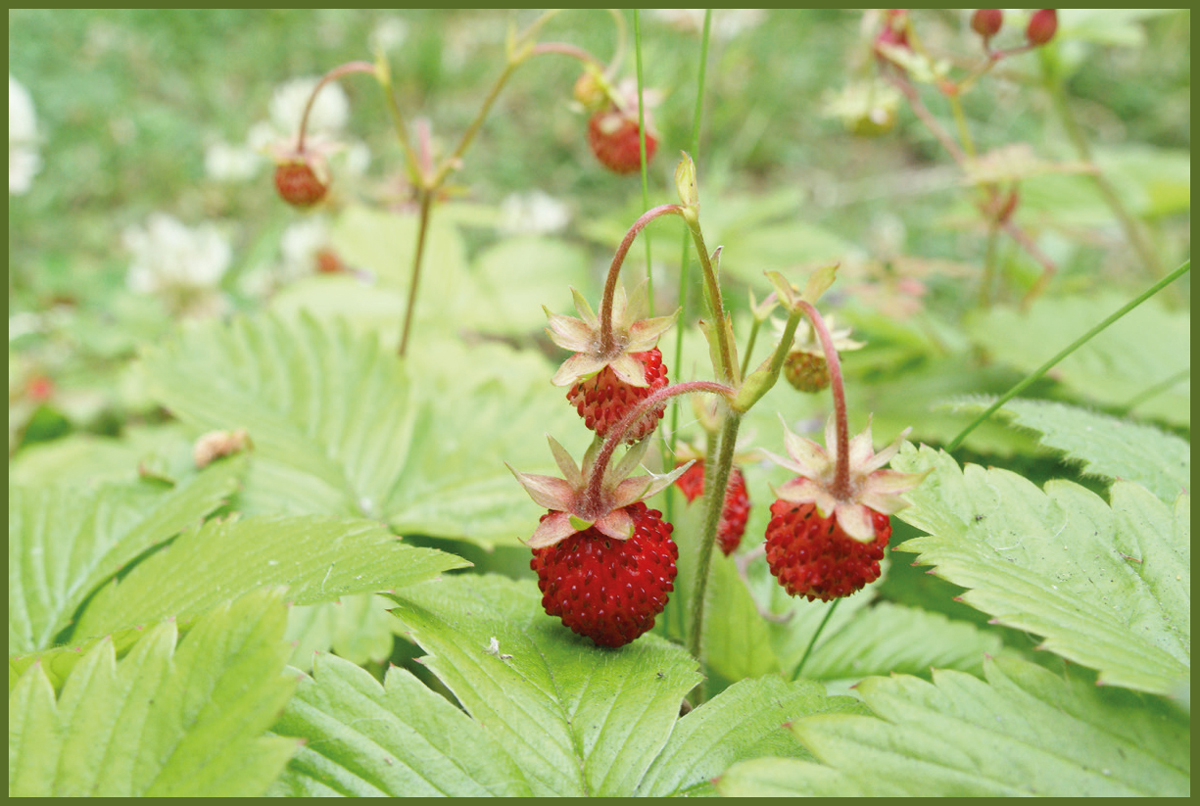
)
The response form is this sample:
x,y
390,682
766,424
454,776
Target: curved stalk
x,y
841,479
332,75
418,255
617,434
614,269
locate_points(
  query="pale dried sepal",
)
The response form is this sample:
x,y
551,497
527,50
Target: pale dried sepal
x,y
585,310
861,450
546,491
883,490
640,487
568,332
565,463
617,524
554,529
856,522
629,370
578,367
806,491
644,333
884,456
631,460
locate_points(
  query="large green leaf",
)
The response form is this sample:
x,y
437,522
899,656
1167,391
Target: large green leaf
x,y
1148,347
1025,731
1108,587
577,719
319,559
340,426
164,721
63,542
747,720
398,739
357,627
1108,447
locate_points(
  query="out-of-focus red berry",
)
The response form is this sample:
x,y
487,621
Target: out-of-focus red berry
x,y
1042,26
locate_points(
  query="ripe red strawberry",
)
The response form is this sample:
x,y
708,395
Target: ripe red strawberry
x,y
609,590
1042,26
605,563
807,372
734,513
811,556
826,537
614,139
604,399
987,22
298,183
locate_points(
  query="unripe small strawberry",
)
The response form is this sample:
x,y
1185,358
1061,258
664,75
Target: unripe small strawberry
x,y
807,372
614,139
298,182
987,22
589,91
1042,26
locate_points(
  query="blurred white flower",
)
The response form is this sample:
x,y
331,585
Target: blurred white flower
x,y
389,34
533,213
23,159
171,258
300,245
726,22
329,114
226,162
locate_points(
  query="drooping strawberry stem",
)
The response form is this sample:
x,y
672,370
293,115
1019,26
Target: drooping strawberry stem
x,y
841,483
332,75
593,494
614,270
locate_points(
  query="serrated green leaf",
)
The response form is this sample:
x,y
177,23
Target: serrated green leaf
x,y
577,719
319,559
747,720
1025,731
340,426
64,542
1108,447
357,627
164,721
893,639
1108,587
1147,347
398,739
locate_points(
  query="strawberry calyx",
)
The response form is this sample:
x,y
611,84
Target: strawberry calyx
x,y
866,489
629,333
576,504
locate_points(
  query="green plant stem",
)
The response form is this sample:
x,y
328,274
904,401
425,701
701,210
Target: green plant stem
x,y
716,477
685,263
756,385
727,368
960,120
614,269
455,159
750,346
813,641
989,266
637,58
1144,247
1075,345
616,434
418,255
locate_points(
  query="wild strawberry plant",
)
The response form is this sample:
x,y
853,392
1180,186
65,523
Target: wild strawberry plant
x,y
302,567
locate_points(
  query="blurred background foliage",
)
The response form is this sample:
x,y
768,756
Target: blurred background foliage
x,y
129,102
